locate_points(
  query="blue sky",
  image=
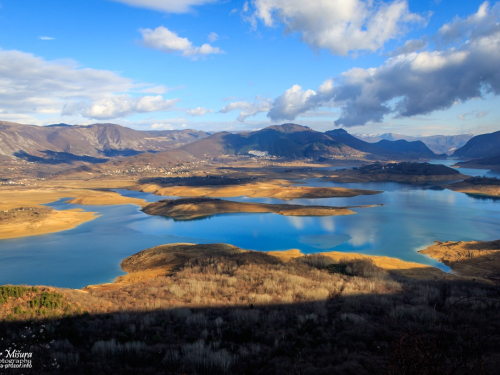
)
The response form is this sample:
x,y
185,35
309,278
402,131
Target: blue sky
x,y
411,67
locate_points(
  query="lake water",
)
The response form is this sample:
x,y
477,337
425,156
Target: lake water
x,y
411,218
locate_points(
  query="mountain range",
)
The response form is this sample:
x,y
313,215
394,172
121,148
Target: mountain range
x,y
98,143
62,142
440,144
296,141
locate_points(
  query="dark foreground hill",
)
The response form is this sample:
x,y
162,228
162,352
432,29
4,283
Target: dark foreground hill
x,y
218,309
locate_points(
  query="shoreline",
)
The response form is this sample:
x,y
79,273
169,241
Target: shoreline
x,y
474,260
56,221
192,208
17,226
163,260
477,189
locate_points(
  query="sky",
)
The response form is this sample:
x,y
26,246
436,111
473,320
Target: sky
x,y
416,67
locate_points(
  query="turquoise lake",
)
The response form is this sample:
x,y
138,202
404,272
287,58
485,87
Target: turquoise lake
x,y
411,218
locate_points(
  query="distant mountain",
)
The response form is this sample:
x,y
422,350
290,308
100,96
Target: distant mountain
x,y
58,125
296,141
65,143
446,144
288,140
481,146
439,144
385,148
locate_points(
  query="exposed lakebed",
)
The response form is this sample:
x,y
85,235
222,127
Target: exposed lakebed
x,y
411,218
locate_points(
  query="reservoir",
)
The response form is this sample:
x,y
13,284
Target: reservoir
x,y
409,218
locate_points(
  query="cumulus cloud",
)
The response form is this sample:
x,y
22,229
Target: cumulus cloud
x,y
200,111
296,101
30,84
167,41
118,106
409,84
484,23
341,26
248,109
168,6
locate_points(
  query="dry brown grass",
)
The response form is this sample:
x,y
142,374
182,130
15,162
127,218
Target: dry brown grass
x,y
472,260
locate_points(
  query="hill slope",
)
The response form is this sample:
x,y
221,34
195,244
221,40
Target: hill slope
x,y
288,140
398,148
296,141
63,142
481,146
439,144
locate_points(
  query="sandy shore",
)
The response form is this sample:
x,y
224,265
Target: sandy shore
x,y
479,260
55,221
189,208
279,189
467,187
106,199
12,198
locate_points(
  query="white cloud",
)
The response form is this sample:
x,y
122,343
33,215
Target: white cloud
x,y
409,84
212,37
200,111
248,109
45,38
118,106
341,26
292,103
32,85
167,41
480,24
168,6
161,126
